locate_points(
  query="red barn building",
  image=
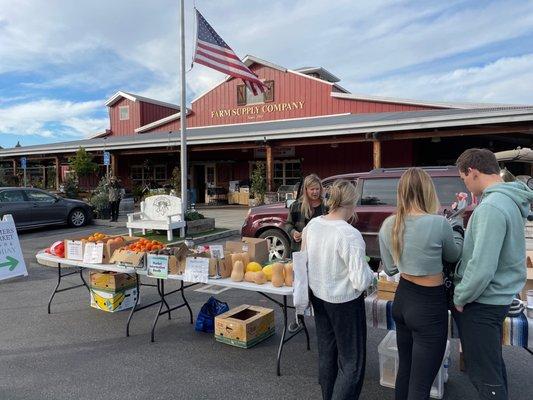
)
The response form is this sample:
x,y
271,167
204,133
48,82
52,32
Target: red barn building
x,y
306,122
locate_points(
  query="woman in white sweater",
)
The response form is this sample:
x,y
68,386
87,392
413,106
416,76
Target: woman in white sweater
x,y
338,275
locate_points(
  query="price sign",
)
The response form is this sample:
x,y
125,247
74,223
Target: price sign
x,y
74,250
196,270
216,251
94,253
157,266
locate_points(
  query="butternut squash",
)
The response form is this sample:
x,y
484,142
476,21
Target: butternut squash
x,y
260,277
249,276
277,275
289,274
237,273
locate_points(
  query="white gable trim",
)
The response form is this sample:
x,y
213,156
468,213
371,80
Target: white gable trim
x,y
133,97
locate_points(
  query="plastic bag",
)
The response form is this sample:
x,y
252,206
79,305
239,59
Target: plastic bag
x,y
205,322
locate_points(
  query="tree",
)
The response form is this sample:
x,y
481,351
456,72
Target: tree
x,y
175,180
259,184
82,163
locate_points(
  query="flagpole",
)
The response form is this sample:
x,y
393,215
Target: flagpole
x,y
183,114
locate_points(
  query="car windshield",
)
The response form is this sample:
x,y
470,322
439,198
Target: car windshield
x,y
382,191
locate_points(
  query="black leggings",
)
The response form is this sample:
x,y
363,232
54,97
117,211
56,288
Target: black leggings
x,y
421,318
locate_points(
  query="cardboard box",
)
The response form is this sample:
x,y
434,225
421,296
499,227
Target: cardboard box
x,y
244,198
256,248
244,326
128,258
112,281
113,301
386,289
233,198
109,247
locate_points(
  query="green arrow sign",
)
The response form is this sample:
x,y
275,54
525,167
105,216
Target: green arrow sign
x,y
11,263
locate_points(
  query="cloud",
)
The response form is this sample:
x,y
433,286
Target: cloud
x,y
75,52
507,80
52,118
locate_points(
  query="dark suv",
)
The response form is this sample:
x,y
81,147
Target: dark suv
x,y
377,200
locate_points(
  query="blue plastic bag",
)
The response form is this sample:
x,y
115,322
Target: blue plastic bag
x,y
205,322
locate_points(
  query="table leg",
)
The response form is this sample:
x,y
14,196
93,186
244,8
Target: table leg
x,y
83,280
282,341
161,293
57,286
59,276
137,284
182,289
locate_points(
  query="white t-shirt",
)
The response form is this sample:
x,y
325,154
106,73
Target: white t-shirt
x,y
338,271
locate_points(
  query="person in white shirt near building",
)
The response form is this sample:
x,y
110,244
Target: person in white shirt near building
x,y
338,276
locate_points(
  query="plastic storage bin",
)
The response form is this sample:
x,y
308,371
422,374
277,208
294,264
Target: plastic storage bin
x,y
388,366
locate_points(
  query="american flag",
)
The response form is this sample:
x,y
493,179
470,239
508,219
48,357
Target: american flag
x,y
213,52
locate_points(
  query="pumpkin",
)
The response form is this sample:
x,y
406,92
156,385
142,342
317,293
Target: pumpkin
x,y
268,272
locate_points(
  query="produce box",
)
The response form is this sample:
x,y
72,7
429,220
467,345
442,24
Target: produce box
x,y
112,281
113,301
111,243
256,248
244,326
386,289
129,258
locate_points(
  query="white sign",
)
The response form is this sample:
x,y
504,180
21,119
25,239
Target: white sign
x,y
196,269
74,250
157,266
216,251
94,253
11,260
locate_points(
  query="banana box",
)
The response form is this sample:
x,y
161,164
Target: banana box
x,y
113,301
112,281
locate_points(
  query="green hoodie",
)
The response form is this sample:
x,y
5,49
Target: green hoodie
x,y
493,266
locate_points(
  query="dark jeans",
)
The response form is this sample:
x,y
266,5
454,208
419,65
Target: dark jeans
x,y
341,336
421,318
480,328
114,209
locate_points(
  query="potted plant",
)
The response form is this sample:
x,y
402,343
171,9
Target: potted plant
x,y
259,184
100,200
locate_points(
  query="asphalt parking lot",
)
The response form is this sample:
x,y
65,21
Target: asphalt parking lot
x,y
81,353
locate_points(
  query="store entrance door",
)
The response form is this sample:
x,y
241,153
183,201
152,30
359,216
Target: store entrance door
x,y
199,183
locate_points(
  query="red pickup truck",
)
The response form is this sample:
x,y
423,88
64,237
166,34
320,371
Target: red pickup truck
x,y
377,200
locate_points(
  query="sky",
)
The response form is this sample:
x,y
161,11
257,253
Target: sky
x,y
60,60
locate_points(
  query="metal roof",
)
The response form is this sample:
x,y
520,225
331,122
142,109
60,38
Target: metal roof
x,y
332,125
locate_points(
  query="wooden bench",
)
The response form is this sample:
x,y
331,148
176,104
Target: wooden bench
x,y
159,212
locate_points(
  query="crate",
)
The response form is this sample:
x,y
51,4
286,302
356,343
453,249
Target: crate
x,y
388,366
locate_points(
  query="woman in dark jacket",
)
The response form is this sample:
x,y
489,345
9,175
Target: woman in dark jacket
x,y
308,206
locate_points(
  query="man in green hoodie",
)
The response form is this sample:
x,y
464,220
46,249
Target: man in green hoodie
x,y
492,270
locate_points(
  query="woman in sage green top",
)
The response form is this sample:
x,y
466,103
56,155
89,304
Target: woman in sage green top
x,y
414,243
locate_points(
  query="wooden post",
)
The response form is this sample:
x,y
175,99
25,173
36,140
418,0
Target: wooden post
x,y
14,167
114,165
58,173
44,176
377,153
269,167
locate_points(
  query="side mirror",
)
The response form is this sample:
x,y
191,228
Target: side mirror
x,y
530,183
289,202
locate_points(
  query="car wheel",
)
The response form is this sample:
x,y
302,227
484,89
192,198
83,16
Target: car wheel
x,y
278,244
77,218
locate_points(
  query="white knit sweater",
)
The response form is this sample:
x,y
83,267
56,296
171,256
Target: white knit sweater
x,y
338,271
